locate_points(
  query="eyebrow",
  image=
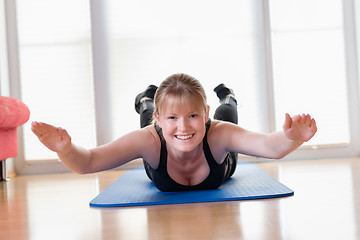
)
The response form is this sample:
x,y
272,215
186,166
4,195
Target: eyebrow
x,y
188,113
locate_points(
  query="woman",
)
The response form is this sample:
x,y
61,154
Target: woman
x,y
183,150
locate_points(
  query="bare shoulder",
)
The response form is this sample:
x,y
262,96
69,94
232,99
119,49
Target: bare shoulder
x,y
143,143
150,132
147,138
226,136
219,137
219,128
147,134
151,145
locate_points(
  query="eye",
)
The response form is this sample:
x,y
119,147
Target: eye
x,y
193,115
171,118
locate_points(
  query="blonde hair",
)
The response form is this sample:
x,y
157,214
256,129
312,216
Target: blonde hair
x,y
182,86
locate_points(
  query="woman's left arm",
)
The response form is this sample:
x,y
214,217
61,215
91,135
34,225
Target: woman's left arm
x,y
296,130
276,145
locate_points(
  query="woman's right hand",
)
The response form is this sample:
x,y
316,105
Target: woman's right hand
x,y
54,138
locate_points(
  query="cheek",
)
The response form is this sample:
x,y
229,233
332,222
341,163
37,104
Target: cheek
x,y
167,127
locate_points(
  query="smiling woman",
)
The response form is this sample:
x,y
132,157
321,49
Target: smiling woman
x,y
184,150
181,113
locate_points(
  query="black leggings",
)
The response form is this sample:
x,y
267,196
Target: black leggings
x,y
227,111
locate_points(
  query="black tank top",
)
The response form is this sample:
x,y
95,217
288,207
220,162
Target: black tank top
x,y
165,183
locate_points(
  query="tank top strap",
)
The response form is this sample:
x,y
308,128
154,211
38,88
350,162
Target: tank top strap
x,y
163,152
208,155
207,124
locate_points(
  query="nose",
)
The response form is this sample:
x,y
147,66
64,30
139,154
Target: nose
x,y
183,124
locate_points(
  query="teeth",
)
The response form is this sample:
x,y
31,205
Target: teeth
x,y
184,137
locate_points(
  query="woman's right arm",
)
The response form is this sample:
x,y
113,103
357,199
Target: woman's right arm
x,y
126,148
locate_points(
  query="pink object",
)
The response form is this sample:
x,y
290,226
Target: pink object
x,y
13,113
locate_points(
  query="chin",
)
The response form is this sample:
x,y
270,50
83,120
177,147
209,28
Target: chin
x,y
186,147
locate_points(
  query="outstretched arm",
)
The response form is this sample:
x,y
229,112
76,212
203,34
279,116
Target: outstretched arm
x,y
296,130
276,145
58,140
81,160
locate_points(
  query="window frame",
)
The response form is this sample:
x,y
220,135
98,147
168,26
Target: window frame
x,y
102,83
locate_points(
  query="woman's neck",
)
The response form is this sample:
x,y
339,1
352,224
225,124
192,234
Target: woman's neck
x,y
185,157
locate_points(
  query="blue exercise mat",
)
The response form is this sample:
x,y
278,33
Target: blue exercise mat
x,y
135,189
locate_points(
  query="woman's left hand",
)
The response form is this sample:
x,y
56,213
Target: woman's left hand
x,y
299,128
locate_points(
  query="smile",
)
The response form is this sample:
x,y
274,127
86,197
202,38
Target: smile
x,y
184,137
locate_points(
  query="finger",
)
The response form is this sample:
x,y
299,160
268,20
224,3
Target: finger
x,y
296,118
37,125
64,134
288,121
308,120
302,119
313,124
34,124
46,127
37,129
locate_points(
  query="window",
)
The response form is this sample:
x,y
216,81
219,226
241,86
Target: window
x,y
151,40
56,70
305,71
292,56
309,65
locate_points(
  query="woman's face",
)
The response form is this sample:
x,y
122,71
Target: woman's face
x,y
183,124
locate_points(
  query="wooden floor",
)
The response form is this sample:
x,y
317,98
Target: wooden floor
x,y
326,205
